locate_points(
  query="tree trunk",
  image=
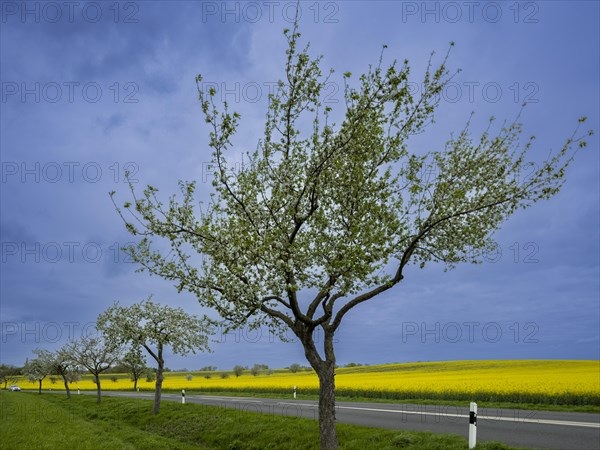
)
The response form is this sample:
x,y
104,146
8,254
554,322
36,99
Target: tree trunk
x,y
159,378
327,406
135,383
326,372
98,389
67,386
40,387
158,390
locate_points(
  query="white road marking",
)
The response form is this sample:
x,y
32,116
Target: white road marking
x,y
466,416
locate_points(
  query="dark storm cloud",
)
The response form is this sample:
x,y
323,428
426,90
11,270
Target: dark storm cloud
x,y
63,151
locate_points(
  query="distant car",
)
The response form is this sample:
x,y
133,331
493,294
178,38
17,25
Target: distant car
x,y
14,388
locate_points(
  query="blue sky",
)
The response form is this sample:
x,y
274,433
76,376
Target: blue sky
x,y
95,90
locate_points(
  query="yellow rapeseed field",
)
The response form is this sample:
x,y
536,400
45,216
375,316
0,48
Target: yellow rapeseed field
x,y
536,381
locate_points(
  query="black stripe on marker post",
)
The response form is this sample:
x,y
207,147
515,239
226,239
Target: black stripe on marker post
x,y
472,418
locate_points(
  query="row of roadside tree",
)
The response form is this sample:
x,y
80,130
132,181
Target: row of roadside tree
x,y
124,335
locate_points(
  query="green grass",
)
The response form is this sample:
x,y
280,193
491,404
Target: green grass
x,y
32,421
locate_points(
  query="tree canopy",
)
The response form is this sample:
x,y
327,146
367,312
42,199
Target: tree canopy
x,y
150,324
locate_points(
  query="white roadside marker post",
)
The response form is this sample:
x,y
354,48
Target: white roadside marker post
x,y
78,391
183,396
473,425
294,391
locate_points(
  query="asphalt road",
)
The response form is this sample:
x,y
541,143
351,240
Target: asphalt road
x,y
519,428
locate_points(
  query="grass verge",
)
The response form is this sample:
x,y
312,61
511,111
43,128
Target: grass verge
x,y
48,421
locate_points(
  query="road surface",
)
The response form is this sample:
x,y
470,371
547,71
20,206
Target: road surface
x,y
519,428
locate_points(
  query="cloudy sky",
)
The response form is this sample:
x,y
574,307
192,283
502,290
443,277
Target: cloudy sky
x,y
90,90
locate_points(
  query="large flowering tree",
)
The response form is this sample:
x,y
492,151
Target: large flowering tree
x,y
326,216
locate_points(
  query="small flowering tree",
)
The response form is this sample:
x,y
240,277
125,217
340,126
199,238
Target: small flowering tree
x,y
96,355
135,362
38,368
154,327
61,363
